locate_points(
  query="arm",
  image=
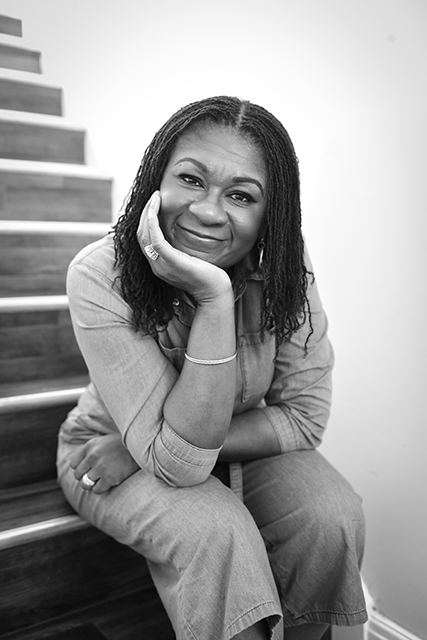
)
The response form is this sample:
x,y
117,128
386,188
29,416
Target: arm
x,y
298,401
172,424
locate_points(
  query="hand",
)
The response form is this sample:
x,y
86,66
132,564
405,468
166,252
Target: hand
x,y
204,281
106,461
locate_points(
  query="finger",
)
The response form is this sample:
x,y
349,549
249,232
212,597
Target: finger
x,y
143,232
102,486
77,457
157,238
82,468
90,476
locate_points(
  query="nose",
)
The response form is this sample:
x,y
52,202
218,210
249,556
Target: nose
x,y
209,210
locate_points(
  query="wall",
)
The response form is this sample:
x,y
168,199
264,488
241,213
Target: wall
x,y
348,81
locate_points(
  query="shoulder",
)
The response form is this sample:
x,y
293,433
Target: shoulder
x,y
98,256
94,267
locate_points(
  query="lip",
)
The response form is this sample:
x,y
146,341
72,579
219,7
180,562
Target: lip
x,y
199,235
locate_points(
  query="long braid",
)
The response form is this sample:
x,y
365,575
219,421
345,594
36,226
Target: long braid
x,y
285,305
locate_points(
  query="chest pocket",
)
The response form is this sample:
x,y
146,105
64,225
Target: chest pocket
x,y
256,365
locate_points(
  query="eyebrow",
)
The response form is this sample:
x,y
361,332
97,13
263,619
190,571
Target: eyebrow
x,y
236,179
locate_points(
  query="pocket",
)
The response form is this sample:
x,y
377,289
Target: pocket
x,y
256,358
175,355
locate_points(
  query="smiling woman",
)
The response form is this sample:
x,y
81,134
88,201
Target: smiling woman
x,y
203,331
212,195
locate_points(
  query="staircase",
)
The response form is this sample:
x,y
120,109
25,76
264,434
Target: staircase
x,y
60,578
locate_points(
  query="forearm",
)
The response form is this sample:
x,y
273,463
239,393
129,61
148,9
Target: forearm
x,y
251,435
200,406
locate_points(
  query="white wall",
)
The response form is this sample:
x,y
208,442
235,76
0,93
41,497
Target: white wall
x,y
348,80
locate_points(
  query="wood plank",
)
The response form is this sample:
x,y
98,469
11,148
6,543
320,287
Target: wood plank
x,y
19,58
137,616
10,26
43,385
36,264
38,345
42,196
26,505
25,96
24,141
28,442
53,576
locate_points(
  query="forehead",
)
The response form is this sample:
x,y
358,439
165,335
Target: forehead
x,y
216,145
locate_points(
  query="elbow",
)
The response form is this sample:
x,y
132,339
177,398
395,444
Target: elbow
x,y
183,479
180,463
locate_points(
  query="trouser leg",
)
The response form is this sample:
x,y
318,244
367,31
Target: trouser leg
x,y
205,553
313,527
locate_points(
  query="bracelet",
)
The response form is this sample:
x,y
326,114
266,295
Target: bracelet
x,y
221,361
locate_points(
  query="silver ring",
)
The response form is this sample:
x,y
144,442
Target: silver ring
x,y
151,252
87,481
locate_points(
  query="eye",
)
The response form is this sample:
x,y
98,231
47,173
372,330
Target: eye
x,y
191,180
242,197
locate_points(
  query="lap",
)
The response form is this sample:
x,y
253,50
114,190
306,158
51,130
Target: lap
x,y
301,491
145,511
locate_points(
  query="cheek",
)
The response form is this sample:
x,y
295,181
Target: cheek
x,y
248,229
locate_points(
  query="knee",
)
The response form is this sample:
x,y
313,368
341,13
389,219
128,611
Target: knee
x,y
335,520
218,525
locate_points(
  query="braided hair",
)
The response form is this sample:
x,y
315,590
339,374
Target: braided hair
x,y
284,306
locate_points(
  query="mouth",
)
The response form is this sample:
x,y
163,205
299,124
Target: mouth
x,y
199,236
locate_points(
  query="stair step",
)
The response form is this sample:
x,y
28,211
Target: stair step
x,y
53,191
32,393
137,616
37,343
26,96
57,574
11,26
55,564
34,257
12,57
28,440
26,511
41,141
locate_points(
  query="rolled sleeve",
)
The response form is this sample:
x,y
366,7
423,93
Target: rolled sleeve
x,y
179,462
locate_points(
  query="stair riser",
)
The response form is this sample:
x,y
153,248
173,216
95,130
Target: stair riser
x,y
28,442
38,345
19,96
36,264
11,26
20,59
53,576
38,196
22,141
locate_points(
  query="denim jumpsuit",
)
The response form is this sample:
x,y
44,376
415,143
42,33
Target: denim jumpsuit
x,y
279,538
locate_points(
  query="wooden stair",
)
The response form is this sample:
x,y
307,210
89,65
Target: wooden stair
x,y
61,578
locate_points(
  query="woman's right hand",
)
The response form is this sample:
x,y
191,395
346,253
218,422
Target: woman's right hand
x,y
106,461
203,280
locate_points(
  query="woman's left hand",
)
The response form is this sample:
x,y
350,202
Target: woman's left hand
x,y
105,460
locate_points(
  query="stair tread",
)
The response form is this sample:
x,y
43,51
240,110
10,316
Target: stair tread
x,y
39,120
14,165
42,386
31,504
136,616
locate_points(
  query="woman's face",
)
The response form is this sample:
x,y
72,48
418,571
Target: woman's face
x,y
214,195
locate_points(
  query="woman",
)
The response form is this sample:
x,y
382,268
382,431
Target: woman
x,y
207,348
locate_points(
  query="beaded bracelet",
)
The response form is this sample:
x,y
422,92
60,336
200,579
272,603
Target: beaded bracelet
x,y
221,361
